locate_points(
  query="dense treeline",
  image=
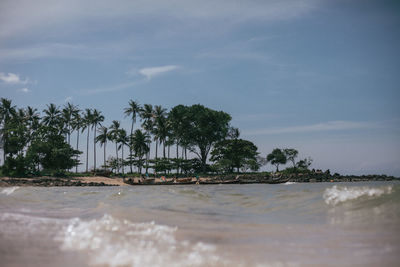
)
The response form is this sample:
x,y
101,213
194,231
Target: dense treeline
x,y
37,143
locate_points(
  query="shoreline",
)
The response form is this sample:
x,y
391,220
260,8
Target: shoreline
x,y
45,181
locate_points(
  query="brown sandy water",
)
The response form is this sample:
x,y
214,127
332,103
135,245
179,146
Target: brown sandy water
x,y
320,224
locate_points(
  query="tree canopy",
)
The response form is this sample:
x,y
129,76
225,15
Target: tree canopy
x,y
277,157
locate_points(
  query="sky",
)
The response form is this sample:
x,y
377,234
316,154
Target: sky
x,y
319,76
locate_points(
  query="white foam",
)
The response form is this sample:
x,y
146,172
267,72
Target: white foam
x,y
113,242
9,190
287,183
338,194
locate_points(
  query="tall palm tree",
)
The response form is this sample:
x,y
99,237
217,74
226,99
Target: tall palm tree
x,y
68,114
123,141
77,124
140,145
133,110
103,137
32,119
97,118
159,117
87,122
6,112
114,133
147,114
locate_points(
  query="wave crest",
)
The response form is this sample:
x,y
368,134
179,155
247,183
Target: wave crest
x,y
338,194
114,242
9,190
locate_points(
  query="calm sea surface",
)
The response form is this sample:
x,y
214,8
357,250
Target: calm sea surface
x,y
308,224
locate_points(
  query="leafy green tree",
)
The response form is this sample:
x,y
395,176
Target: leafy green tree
x,y
277,157
206,128
304,163
291,155
50,150
235,153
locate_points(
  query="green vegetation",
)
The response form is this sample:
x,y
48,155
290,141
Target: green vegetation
x,y
35,144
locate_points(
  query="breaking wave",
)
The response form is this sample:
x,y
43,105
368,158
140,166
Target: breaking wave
x,y
9,190
113,242
340,194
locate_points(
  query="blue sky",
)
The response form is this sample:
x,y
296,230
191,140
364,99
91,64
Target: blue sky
x,y
320,76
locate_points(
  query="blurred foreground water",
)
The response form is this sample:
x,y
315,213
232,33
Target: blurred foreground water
x,y
309,224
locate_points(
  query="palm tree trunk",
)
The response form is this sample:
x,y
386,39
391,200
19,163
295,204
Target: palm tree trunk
x,y
156,147
77,145
87,151
177,157
116,152
69,134
130,147
147,159
105,155
94,148
164,149
122,159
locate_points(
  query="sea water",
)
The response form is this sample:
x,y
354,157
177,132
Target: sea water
x,y
304,224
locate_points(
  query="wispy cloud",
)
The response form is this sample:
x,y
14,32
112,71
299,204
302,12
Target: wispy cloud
x,y
12,78
325,126
24,90
258,116
155,71
112,88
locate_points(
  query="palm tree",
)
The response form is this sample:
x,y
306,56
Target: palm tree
x,y
114,134
87,122
67,114
147,115
140,145
6,112
159,116
123,141
97,118
103,137
133,110
32,119
77,124
52,116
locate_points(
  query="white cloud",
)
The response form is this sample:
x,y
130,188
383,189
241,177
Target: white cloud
x,y
68,99
112,88
326,126
24,90
12,78
154,71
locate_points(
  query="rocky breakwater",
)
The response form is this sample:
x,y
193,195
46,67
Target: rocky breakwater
x,y
49,181
315,176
